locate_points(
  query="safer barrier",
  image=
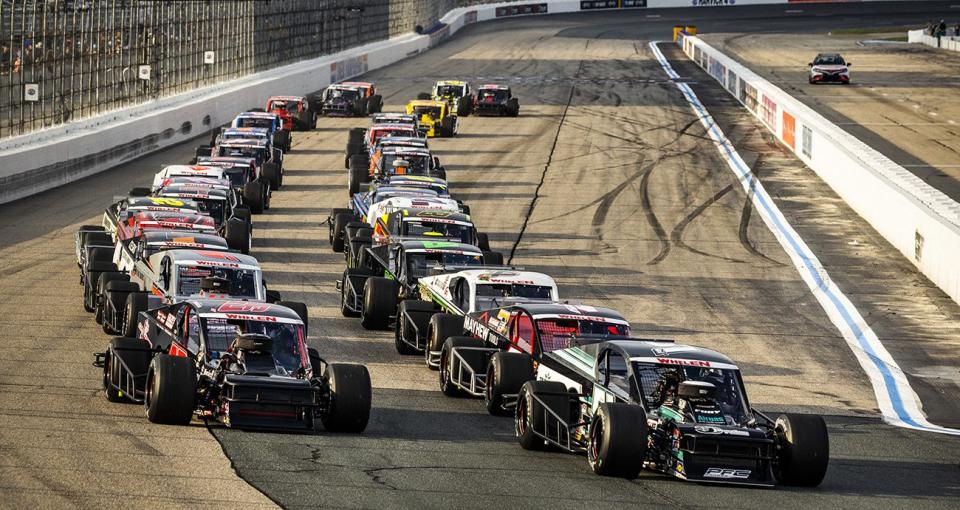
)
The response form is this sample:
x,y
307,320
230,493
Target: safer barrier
x,y
944,43
920,221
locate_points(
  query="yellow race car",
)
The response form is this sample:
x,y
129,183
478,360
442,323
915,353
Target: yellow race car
x,y
436,119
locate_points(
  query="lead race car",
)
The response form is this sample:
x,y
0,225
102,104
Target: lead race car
x,y
677,409
241,363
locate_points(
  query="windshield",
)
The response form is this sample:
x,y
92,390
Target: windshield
x,y
829,60
290,106
254,122
451,231
213,208
418,165
241,152
243,282
556,333
491,295
450,90
490,96
420,264
658,385
432,111
237,176
349,95
287,340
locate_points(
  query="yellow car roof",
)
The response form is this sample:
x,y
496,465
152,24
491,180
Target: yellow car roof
x,y
426,102
450,82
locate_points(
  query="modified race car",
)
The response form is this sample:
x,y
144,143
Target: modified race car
x,y
279,133
676,409
496,100
294,110
349,99
244,364
455,93
434,118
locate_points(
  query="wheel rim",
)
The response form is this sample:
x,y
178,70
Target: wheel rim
x,y
522,416
596,442
488,391
444,374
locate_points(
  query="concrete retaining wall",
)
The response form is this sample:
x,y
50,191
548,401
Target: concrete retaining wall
x,y
920,221
944,43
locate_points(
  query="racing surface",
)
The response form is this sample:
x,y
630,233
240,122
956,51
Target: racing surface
x,y
607,182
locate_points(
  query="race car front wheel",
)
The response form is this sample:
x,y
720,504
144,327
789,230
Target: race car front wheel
x,y
618,440
803,451
170,392
350,395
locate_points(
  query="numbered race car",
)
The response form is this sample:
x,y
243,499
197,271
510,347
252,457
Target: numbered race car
x,y
244,364
295,112
676,409
361,142
349,99
455,93
446,298
279,132
244,174
390,161
491,353
434,118
496,100
267,158
394,118
343,219
232,220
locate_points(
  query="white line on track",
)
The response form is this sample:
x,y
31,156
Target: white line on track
x,y
898,402
793,11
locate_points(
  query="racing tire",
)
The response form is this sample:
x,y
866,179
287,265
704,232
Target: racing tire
x,y
337,233
243,212
464,106
403,329
618,440
424,96
446,352
379,302
301,309
100,255
102,282
465,209
117,292
91,278
170,393
447,127
237,234
492,258
513,107
135,354
355,136
344,310
136,302
442,326
506,374
350,398
281,140
803,450
99,228
359,173
374,104
483,242
254,196
528,417
271,172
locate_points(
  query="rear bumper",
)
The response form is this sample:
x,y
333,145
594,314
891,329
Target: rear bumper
x,y
252,402
494,110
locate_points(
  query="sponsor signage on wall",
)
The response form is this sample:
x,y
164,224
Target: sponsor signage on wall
x,y
768,114
518,10
712,3
343,69
439,35
749,97
469,17
806,142
586,5
789,131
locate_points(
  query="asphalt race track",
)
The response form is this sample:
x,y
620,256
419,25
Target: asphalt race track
x,y
607,182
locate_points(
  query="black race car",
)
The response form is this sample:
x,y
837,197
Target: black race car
x,y
677,409
496,100
245,364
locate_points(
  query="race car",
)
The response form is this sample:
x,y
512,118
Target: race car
x,y
350,99
294,110
170,171
434,118
267,158
392,160
446,298
676,409
243,173
243,364
455,93
496,100
491,353
232,220
394,118
279,131
361,142
829,67
121,214
369,93
355,216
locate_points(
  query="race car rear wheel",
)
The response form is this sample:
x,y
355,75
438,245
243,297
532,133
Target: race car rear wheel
x,y
422,96
803,451
237,235
350,397
254,196
136,303
442,326
301,309
116,294
529,414
337,232
359,172
102,282
448,361
355,136
271,172
492,258
483,242
169,396
404,331
513,107
135,355
379,302
618,440
506,374
375,104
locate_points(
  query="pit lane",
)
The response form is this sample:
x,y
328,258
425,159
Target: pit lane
x,y
631,208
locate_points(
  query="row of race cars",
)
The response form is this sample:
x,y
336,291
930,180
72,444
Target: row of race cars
x,y
571,375
198,332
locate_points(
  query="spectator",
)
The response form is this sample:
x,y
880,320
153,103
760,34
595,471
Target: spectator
x,y
942,29
956,30
929,30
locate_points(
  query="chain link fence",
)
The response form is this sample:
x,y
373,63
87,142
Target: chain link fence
x,y
66,59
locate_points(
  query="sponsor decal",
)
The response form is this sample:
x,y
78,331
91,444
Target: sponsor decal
x,y
586,5
710,419
806,141
708,429
748,95
684,362
469,17
768,113
727,474
245,317
343,69
243,306
712,3
439,35
789,130
666,351
166,201
519,10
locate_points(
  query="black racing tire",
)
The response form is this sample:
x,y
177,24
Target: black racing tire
x,y
136,355
447,387
136,302
403,330
483,242
441,327
465,209
447,127
379,302
254,196
100,255
331,220
139,191
282,140
506,374
337,232
618,440
356,136
424,96
170,394
271,172
346,312
464,106
98,287
243,212
359,172
528,417
116,292
492,258
350,398
97,238
374,104
237,235
804,450
513,107
301,309
93,227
